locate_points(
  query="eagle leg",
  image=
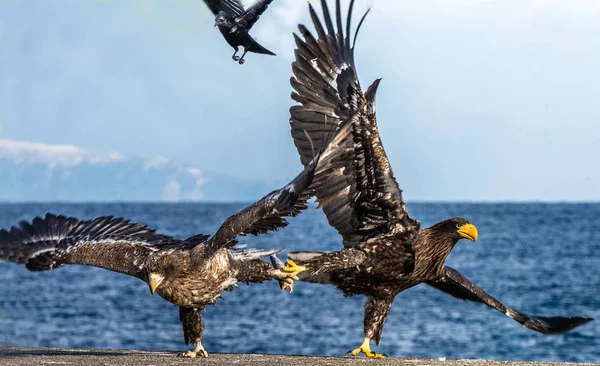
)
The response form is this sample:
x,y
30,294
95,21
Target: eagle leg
x,y
366,349
257,271
376,311
241,61
293,269
191,321
285,284
234,57
198,351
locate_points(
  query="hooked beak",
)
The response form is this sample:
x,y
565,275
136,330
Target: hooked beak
x,y
468,231
154,282
216,24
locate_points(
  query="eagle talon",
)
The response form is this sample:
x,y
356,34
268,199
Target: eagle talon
x,y
287,284
293,269
366,349
194,354
241,61
235,58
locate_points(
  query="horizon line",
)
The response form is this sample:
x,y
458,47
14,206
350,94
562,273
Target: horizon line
x,y
217,202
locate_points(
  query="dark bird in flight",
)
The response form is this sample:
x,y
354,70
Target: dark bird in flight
x,y
190,273
235,22
385,251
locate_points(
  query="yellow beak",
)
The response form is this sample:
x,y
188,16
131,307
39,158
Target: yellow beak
x,y
468,231
154,281
153,285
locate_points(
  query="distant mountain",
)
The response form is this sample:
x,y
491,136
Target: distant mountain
x,y
40,172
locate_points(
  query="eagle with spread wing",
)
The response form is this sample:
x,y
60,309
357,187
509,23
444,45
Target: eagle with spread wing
x,y
385,250
190,273
234,23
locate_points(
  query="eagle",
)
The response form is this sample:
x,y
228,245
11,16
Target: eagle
x,y
190,273
385,251
234,23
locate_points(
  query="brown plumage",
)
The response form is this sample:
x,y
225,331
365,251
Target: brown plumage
x,y
189,273
385,251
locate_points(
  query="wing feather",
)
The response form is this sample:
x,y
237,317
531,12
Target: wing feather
x,y
111,243
361,197
251,15
460,287
233,8
269,213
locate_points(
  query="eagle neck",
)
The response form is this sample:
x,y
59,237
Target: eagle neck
x,y
431,250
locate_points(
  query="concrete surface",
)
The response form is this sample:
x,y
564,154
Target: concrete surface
x,y
100,357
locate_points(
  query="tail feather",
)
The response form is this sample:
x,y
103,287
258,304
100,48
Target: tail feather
x,y
547,325
257,48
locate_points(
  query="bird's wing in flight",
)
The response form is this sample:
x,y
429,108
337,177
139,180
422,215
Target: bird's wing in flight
x,y
106,242
361,197
460,287
232,7
268,213
251,15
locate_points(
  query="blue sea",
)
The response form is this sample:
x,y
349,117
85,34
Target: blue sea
x,y
541,259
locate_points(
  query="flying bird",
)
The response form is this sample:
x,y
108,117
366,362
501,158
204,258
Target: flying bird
x,y
190,273
235,22
385,251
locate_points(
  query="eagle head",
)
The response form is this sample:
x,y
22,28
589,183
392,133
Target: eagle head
x,y
154,279
458,228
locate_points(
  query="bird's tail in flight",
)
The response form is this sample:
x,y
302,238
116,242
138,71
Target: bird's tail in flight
x,y
257,48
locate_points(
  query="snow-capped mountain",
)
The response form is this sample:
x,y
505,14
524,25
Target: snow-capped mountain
x,y
40,172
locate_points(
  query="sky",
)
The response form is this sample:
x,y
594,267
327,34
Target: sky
x,y
480,99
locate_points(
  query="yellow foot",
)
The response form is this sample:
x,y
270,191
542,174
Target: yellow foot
x,y
366,349
293,269
194,354
367,353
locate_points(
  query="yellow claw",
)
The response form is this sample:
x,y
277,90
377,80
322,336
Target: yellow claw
x,y
366,349
194,354
199,351
293,269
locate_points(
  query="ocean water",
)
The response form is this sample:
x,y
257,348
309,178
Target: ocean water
x,y
541,259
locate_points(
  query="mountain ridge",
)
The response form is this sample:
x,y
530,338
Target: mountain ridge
x,y
36,172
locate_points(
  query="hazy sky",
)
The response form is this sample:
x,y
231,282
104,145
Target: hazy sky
x,y
480,99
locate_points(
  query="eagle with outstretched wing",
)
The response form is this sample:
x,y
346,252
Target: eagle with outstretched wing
x,y
385,251
190,273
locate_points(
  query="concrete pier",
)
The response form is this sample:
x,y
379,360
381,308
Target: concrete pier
x,y
105,357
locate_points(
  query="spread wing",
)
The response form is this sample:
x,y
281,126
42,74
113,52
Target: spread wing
x,y
361,197
232,7
252,14
459,286
106,242
269,213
